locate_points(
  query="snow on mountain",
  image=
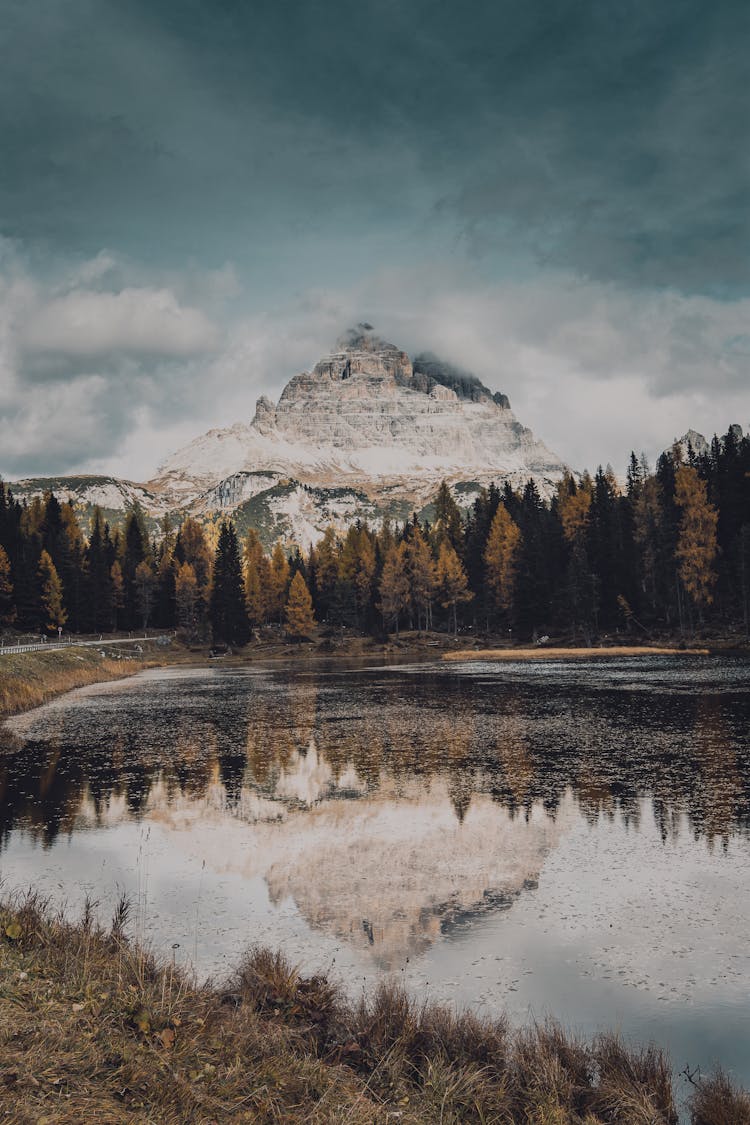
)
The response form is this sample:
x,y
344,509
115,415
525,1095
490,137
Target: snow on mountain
x,y
367,433
692,441
108,493
366,418
697,444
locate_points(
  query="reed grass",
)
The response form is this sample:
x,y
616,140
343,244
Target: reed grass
x,y
28,679
570,653
93,1028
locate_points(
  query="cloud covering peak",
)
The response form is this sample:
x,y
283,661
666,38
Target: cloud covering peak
x,y
195,192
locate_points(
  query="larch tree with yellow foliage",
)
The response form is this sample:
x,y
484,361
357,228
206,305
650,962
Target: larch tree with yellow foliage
x,y
257,579
453,585
394,586
697,545
53,610
7,605
422,577
300,618
187,598
501,557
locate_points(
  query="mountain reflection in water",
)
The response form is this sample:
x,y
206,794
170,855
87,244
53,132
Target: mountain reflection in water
x,y
529,837
269,745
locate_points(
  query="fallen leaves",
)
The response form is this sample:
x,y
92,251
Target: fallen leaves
x,y
166,1037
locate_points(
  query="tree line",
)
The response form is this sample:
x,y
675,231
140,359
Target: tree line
x,y
667,552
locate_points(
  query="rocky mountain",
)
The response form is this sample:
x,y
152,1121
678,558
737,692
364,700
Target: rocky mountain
x,y
694,444
367,432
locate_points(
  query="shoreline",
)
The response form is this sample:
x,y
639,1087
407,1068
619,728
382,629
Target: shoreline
x,y
98,1026
561,653
29,680
140,1027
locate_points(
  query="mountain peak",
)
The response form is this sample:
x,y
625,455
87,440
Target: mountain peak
x,y
692,442
361,337
371,431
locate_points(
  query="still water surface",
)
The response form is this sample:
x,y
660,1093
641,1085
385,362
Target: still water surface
x,y
542,837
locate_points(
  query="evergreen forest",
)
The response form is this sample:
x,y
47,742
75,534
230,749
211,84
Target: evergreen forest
x,y
665,553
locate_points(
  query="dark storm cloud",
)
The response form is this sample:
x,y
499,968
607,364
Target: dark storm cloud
x,y
607,138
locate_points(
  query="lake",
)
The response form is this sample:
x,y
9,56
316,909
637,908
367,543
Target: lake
x,y
543,837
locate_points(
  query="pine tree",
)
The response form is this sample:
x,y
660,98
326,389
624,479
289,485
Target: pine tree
x,y
610,558
448,522
573,506
7,604
356,576
227,611
542,560
144,587
72,568
135,548
300,619
118,592
452,583
327,572
646,509
53,610
255,590
99,580
501,556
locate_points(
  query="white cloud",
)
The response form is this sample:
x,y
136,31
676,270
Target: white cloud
x,y
595,369
85,324
115,381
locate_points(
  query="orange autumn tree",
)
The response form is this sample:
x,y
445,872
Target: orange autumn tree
x,y
422,576
257,578
278,582
53,610
501,557
7,607
697,546
300,618
394,586
453,585
187,597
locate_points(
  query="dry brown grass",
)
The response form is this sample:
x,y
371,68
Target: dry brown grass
x,y
92,1028
717,1101
566,653
31,678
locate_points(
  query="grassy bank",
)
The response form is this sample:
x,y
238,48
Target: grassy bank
x,y
31,678
568,653
91,1028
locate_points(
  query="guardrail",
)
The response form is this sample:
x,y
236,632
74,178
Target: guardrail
x,y
52,646
11,650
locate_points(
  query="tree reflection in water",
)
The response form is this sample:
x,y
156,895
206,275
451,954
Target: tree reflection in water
x,y
391,806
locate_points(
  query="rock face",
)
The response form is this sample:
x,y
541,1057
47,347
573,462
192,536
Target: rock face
x,y
693,442
367,424
367,433
110,494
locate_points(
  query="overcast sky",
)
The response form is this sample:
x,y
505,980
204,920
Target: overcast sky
x,y
198,196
